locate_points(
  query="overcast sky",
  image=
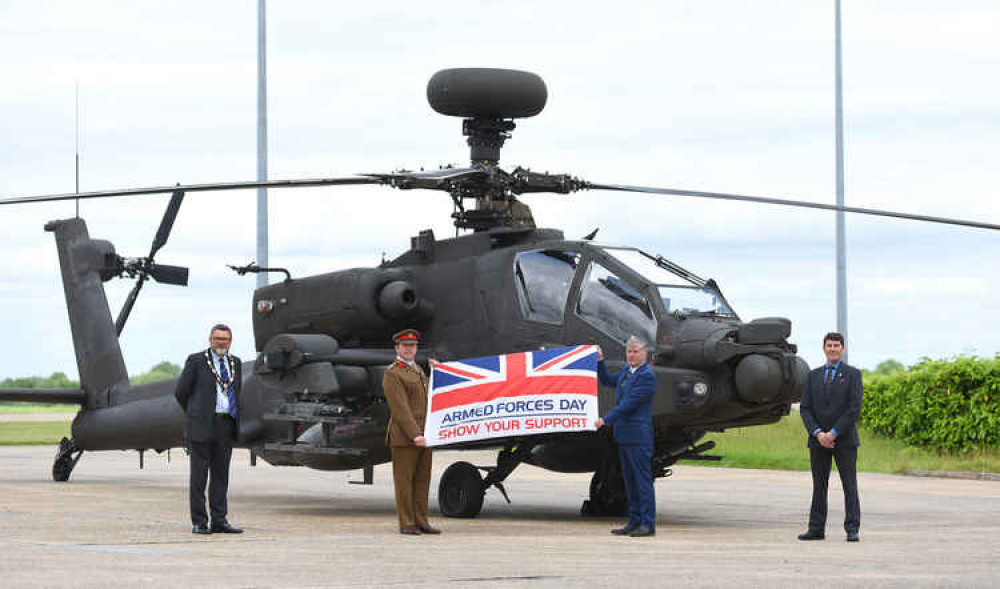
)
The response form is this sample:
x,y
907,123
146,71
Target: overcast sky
x,y
726,96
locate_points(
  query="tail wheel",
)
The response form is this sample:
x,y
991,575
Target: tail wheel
x,y
461,493
65,461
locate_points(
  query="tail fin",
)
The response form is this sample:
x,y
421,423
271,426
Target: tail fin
x,y
85,265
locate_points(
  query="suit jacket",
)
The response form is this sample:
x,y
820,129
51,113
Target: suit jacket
x,y
405,388
632,415
837,409
196,394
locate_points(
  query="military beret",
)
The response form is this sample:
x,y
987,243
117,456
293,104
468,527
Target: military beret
x,y
407,335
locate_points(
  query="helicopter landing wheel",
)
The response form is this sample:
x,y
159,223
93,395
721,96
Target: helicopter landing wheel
x,y
607,497
65,460
461,492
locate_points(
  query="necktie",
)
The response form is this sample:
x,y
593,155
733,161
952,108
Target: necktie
x,y
230,391
829,375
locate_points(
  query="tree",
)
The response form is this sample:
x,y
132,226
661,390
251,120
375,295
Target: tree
x,y
889,366
59,380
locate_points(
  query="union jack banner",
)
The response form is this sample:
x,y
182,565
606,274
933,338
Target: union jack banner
x,y
513,395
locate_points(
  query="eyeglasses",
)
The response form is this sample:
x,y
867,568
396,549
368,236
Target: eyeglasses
x,y
221,339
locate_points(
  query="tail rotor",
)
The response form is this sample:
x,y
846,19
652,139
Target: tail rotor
x,y
142,269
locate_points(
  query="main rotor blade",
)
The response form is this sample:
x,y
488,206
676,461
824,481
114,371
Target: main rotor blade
x,y
167,223
127,307
790,203
194,188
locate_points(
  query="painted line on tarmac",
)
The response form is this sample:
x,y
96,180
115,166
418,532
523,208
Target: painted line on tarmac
x,y
114,548
509,578
334,539
952,474
138,547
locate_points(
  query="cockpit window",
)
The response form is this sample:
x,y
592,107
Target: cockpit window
x,y
691,300
543,278
610,304
682,292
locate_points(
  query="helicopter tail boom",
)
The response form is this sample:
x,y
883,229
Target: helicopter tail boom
x,y
50,396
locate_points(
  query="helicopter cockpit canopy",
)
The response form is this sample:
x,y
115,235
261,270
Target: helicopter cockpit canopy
x,y
613,301
681,292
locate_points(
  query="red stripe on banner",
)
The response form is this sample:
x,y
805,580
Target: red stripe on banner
x,y
517,385
558,359
458,372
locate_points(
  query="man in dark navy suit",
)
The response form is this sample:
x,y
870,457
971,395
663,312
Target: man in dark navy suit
x,y
635,386
829,408
209,392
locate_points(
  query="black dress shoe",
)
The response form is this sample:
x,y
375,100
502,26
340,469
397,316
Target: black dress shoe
x,y
428,529
853,537
225,528
641,532
200,529
410,531
624,530
811,536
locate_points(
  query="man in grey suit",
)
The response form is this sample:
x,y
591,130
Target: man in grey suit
x,y
830,406
209,392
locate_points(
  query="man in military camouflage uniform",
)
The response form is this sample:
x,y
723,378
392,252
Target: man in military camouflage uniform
x,y
405,388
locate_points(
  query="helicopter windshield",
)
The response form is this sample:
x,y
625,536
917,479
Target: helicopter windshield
x,y
612,305
680,291
543,278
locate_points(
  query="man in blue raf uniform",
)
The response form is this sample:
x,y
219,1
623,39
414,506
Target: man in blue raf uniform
x,y
830,406
209,391
635,386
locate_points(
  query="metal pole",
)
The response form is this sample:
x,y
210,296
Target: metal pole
x,y
841,255
261,142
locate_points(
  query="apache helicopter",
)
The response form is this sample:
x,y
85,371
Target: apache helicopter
x,y
312,397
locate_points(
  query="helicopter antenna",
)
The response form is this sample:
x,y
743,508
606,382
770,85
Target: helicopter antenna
x,y
262,241
77,146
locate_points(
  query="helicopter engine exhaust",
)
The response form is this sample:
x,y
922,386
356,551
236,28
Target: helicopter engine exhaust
x,y
360,308
398,299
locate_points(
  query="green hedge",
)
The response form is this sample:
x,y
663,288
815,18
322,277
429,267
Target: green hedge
x,y
945,404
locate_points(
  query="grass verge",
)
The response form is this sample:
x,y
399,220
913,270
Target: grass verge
x,y
16,407
23,433
782,445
